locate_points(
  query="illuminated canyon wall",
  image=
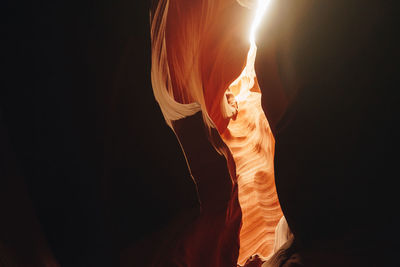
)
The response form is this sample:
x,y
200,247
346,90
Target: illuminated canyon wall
x,y
203,78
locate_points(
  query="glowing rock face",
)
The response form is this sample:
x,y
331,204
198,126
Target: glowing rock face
x,y
197,54
251,142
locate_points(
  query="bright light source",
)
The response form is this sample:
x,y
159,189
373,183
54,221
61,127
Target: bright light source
x,y
243,84
260,10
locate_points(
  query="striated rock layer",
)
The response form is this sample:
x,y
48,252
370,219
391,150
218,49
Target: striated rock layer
x,y
201,76
252,145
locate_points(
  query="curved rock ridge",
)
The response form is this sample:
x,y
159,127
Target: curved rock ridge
x,y
198,49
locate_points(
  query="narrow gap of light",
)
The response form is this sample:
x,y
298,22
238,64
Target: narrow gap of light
x,y
246,79
260,11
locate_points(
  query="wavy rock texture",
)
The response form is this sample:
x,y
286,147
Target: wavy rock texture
x,y
252,145
199,48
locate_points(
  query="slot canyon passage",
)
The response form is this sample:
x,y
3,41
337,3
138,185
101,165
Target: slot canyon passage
x,y
204,65
203,76
154,133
